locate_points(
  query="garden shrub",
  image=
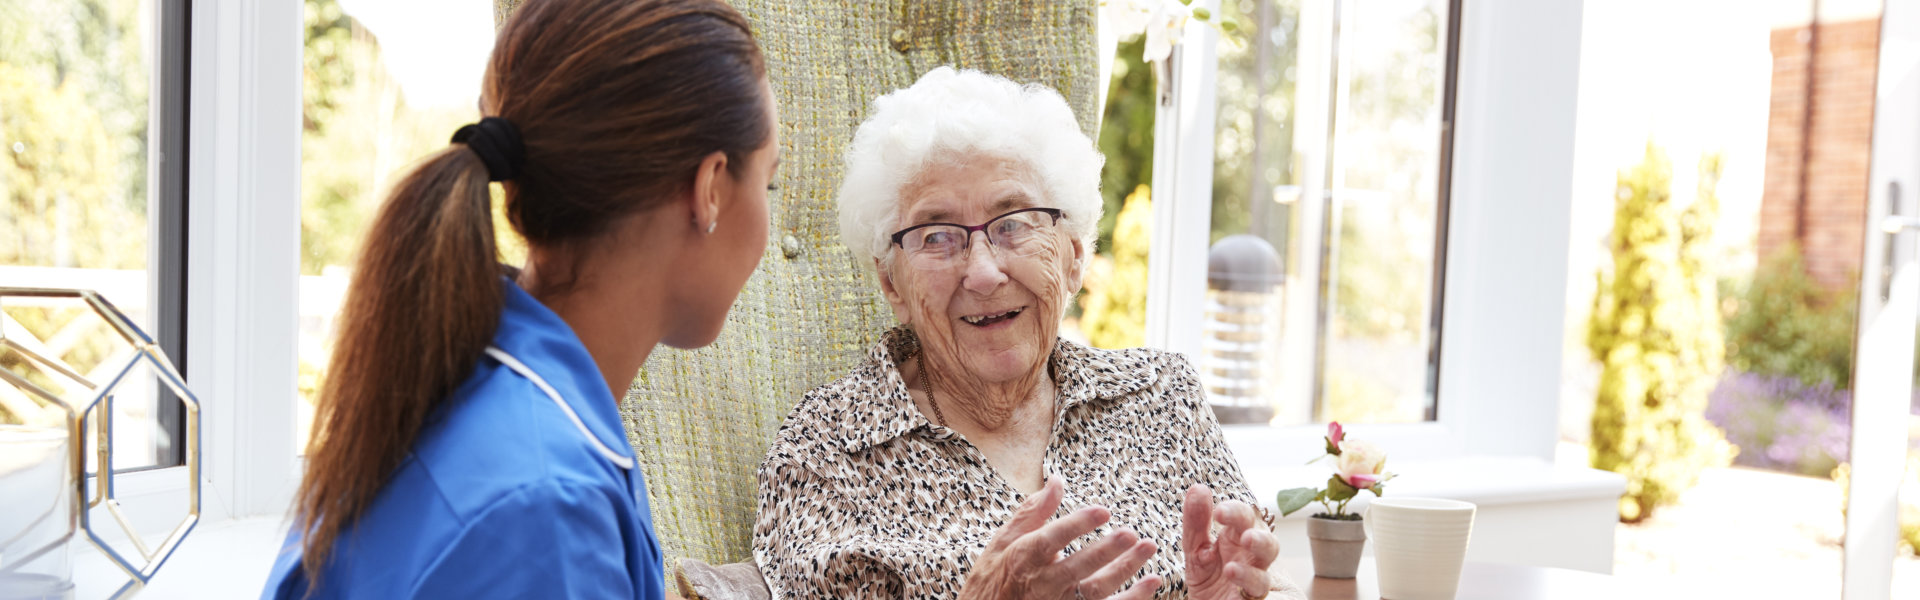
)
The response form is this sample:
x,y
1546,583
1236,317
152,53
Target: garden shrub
x,y
1115,314
1782,322
1655,329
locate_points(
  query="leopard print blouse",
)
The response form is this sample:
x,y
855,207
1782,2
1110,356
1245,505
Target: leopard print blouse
x,y
862,496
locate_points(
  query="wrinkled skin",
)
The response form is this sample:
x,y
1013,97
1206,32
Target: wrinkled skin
x,y
1236,561
989,374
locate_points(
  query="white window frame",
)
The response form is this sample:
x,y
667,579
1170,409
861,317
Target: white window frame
x,y
243,227
1506,233
244,253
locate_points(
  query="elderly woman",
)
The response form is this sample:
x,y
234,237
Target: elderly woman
x,y
974,453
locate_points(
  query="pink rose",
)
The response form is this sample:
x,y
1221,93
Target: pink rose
x,y
1362,481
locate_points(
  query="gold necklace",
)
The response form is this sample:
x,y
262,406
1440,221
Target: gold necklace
x,y
928,388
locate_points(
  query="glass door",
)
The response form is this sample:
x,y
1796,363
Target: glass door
x,y
1889,311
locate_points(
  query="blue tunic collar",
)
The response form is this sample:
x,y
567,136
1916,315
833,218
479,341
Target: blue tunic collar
x,y
535,343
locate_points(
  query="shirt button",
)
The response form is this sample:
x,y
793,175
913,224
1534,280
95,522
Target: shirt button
x,y
900,40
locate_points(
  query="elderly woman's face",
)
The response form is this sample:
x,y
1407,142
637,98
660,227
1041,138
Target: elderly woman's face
x,y
989,311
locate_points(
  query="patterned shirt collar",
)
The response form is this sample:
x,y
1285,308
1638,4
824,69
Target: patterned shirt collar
x,y
878,408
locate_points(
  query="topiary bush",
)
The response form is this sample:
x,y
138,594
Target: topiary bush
x,y
1655,329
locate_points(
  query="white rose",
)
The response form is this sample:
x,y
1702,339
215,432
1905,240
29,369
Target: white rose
x,y
1361,459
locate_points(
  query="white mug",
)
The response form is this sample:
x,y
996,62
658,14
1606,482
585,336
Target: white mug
x,y
1419,545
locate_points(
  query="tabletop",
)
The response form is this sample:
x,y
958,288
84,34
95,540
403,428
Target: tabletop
x,y
1478,581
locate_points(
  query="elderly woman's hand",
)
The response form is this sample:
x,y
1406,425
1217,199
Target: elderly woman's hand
x,y
1234,565
1023,559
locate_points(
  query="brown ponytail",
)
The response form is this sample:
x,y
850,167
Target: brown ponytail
x,y
617,102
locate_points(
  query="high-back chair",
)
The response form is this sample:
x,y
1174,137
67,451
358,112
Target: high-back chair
x,y
701,421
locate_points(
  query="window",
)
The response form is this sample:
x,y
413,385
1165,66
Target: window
x,y
95,107
1322,292
385,85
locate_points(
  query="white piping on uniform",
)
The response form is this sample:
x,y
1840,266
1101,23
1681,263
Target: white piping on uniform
x,y
521,368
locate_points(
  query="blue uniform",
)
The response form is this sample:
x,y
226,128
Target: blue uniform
x,y
521,486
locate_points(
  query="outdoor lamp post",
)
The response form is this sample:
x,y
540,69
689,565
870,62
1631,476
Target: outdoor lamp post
x,y
45,485
1243,292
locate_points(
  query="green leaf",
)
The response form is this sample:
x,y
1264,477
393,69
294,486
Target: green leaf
x,y
1294,499
1379,489
1201,13
1338,490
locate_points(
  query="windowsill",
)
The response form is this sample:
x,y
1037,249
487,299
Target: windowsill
x,y
1273,459
1482,480
228,559
1530,511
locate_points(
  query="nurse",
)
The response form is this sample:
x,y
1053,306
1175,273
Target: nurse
x,y
468,443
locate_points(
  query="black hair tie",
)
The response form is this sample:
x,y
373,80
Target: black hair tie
x,y
498,144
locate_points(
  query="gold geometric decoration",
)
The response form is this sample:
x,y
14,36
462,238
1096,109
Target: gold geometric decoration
x,y
87,405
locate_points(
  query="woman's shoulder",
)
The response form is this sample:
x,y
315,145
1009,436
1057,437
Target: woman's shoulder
x,y
840,415
1125,372
501,432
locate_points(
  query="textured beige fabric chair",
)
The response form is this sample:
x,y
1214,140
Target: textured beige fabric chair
x,y
701,421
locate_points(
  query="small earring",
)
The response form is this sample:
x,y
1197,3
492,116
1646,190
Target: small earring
x,y
712,225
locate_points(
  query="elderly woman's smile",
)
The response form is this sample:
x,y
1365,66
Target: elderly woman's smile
x,y
990,320
985,304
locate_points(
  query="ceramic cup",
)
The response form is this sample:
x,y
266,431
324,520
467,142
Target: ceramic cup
x,y
1419,545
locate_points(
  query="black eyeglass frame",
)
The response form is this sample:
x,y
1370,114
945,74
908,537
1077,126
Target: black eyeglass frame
x,y
899,237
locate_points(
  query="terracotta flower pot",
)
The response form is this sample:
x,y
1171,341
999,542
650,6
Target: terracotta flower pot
x,y
1336,546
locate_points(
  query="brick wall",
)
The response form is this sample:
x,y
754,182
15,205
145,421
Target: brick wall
x,y
1832,234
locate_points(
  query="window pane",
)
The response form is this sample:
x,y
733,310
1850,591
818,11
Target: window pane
x,y
1326,211
74,134
386,83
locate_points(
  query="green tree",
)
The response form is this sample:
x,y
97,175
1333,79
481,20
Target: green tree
x,y
358,134
1116,303
1655,330
1253,135
1126,135
58,177
73,124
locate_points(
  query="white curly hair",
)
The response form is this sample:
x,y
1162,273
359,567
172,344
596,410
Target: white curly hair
x,y
950,114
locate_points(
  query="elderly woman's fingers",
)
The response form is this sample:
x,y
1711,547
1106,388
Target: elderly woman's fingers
x,y
1043,547
1261,547
1196,519
1031,515
1235,515
1253,581
1092,557
1115,572
1143,589
1236,518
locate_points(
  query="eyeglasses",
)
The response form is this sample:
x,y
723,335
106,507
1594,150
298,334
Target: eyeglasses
x,y
932,246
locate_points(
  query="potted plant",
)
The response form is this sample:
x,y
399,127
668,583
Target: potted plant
x,y
1337,536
